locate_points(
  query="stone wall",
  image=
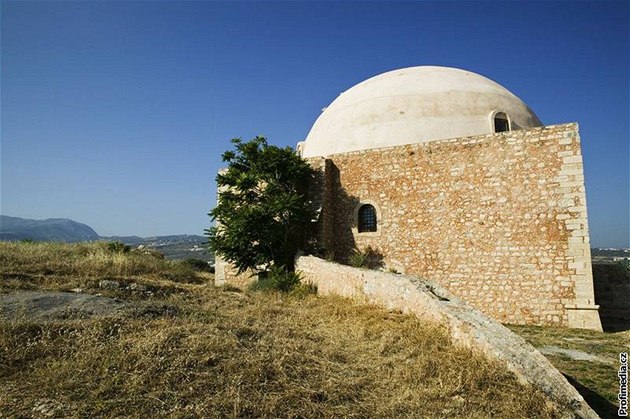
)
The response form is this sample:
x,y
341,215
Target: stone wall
x,y
323,200
466,325
612,294
499,220
225,273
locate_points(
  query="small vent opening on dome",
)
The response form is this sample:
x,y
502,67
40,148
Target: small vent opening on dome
x,y
501,122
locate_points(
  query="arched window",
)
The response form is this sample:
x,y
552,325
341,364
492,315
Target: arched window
x,y
501,122
367,218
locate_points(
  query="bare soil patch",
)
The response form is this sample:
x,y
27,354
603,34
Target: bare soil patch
x,y
33,305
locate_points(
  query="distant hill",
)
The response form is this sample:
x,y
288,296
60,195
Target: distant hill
x,y
180,246
51,229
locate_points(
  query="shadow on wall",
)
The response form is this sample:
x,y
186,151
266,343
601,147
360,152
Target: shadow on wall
x,y
337,224
366,258
612,293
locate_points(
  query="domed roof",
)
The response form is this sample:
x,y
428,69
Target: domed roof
x,y
414,105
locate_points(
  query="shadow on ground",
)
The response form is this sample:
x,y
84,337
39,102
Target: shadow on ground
x,y
599,404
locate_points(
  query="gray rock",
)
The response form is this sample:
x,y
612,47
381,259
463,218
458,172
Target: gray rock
x,y
108,284
137,287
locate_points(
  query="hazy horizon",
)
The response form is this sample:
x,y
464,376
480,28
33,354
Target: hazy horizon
x,y
115,114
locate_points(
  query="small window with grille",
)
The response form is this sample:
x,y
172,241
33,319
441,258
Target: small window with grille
x,y
367,218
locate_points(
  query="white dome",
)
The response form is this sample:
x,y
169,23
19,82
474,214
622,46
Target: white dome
x,y
413,105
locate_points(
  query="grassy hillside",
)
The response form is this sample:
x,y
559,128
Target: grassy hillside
x,y
57,266
190,349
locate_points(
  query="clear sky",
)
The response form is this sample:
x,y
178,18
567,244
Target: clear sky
x,y
115,114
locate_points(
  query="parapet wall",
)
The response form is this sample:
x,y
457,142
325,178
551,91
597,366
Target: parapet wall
x,y
499,220
612,294
467,326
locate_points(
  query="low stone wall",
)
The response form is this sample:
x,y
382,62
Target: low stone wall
x,y
612,293
467,325
612,285
226,274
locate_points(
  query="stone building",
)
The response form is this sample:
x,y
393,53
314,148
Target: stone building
x,y
447,175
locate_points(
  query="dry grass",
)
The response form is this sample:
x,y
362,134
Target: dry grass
x,y
85,259
62,267
225,353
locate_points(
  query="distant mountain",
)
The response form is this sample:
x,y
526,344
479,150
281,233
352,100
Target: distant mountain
x,y
181,246
51,229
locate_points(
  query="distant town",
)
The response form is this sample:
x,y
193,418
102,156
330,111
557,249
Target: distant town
x,y
182,246
610,254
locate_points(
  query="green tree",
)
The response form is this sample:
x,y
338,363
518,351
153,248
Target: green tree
x,y
263,212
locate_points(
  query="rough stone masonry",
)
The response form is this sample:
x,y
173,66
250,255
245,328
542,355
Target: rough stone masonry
x,y
499,220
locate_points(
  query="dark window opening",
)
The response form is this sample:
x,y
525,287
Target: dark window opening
x,y
367,218
501,122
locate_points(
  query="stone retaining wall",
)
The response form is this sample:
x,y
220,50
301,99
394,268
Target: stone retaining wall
x,y
467,326
612,294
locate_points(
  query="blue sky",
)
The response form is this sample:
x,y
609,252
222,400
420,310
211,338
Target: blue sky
x,y
115,114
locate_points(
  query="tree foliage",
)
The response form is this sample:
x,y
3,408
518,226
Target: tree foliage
x,y
263,211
